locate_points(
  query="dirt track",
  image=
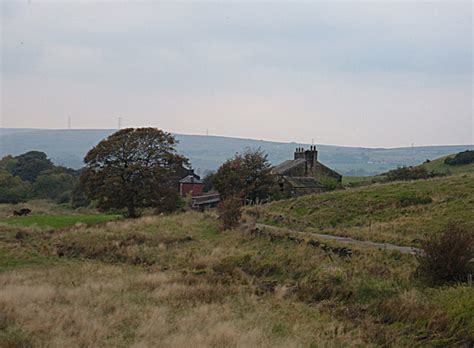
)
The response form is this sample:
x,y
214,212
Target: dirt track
x,y
347,240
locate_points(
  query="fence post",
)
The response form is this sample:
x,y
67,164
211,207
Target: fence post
x,y
469,279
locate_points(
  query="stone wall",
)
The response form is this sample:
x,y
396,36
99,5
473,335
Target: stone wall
x,y
321,172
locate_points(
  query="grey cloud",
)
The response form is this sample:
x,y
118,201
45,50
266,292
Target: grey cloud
x,y
347,73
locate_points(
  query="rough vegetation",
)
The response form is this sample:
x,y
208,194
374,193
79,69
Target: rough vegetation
x,y
409,173
230,212
447,257
403,213
179,281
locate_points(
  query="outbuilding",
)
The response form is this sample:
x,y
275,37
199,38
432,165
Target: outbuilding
x,y
190,185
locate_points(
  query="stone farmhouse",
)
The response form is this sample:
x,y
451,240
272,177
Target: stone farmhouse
x,y
304,174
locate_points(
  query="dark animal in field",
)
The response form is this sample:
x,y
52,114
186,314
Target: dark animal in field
x,y
22,212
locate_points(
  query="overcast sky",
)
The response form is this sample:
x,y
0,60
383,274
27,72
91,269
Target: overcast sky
x,y
377,74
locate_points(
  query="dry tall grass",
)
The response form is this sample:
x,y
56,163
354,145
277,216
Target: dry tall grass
x,y
177,280
91,305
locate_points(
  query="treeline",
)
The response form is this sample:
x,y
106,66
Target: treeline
x,y
33,175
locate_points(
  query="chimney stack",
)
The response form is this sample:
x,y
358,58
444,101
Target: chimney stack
x,y
299,153
311,157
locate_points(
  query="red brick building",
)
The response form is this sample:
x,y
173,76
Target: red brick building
x,y
190,185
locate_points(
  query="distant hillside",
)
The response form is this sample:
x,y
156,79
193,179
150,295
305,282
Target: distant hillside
x,y
68,147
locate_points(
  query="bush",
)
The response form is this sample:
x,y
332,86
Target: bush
x,y
230,211
447,257
461,158
64,198
409,173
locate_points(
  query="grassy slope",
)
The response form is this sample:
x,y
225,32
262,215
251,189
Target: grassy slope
x,y
178,281
437,166
399,212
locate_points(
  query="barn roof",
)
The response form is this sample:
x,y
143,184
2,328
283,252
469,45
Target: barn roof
x,y
283,167
190,179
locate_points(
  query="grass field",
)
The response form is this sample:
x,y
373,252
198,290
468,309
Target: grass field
x,y
58,221
53,216
400,212
178,281
81,279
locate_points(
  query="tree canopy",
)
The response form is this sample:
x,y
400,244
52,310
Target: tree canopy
x,y
13,189
29,165
132,169
247,175
33,175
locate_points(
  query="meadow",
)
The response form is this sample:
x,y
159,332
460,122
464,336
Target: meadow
x,y
79,278
49,215
179,280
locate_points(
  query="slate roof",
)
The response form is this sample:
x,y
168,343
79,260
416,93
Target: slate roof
x,y
190,179
303,182
283,167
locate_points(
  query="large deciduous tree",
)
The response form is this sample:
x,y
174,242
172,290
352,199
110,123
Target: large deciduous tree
x,y
247,175
132,169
